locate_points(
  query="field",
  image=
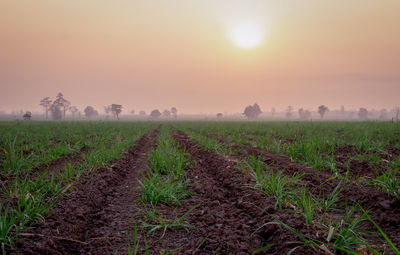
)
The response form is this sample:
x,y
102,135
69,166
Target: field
x,y
199,187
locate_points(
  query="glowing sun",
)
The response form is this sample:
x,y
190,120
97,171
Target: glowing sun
x,y
246,35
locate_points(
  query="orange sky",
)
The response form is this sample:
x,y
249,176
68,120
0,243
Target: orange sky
x,y
161,53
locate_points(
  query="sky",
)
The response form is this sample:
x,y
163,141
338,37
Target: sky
x,y
187,53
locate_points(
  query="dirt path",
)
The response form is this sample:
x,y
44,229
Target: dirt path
x,y
385,208
228,213
95,218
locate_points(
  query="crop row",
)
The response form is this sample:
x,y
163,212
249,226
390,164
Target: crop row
x,y
32,184
345,225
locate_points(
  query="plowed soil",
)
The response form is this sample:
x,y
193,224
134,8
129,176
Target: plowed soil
x,y
230,211
385,209
95,218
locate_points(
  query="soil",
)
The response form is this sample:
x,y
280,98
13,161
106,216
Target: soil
x,y
95,218
99,215
230,210
384,209
57,166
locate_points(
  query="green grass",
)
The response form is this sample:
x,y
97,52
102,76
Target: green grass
x,y
166,181
156,188
272,182
26,145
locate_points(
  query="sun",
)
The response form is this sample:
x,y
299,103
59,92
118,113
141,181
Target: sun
x,y
246,35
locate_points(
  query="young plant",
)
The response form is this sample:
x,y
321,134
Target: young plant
x,y
272,183
160,222
331,200
347,234
157,188
305,201
389,182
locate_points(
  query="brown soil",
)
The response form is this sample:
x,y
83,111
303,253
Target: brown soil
x,y
95,218
385,209
57,166
228,213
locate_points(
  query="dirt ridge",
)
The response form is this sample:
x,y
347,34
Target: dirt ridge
x,y
228,214
94,218
385,209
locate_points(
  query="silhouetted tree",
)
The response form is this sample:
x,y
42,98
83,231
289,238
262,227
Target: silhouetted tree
x,y
363,113
166,114
73,110
252,111
107,110
322,109
304,114
142,113
383,114
289,112
273,111
133,112
396,111
27,116
219,116
56,113
155,113
46,103
174,112
62,103
90,112
116,109
342,111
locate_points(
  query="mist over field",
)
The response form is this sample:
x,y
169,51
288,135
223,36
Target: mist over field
x,y
204,58
200,127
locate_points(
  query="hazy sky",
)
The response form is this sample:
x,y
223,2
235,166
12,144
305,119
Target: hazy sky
x,y
161,53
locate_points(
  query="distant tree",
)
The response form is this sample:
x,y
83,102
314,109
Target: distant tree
x,y
166,114
142,113
27,116
116,109
133,112
289,112
383,114
304,114
219,116
174,112
342,111
90,112
252,111
73,110
107,110
46,103
155,114
363,113
56,113
396,111
322,109
61,102
273,111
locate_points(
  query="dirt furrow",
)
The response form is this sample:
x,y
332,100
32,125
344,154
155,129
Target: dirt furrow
x,y
385,208
230,210
95,218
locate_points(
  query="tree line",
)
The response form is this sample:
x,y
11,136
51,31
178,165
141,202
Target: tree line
x,y
56,109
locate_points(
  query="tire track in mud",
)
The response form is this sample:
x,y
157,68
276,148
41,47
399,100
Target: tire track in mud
x,y
95,218
385,209
228,213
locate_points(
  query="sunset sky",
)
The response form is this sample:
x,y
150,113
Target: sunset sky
x,y
201,56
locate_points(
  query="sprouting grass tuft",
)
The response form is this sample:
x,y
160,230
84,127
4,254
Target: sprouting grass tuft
x,y
157,188
305,201
159,222
272,183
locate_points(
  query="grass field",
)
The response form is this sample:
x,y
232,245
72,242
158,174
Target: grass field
x,y
200,187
